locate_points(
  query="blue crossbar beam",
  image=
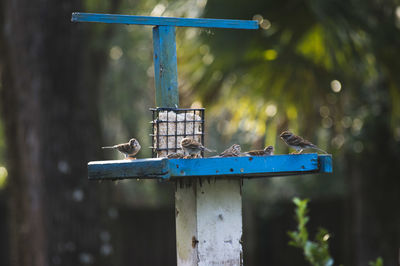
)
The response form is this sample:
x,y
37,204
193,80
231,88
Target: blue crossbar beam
x,y
247,167
165,21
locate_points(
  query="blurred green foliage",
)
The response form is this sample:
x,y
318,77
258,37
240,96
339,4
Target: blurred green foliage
x,y
378,262
324,69
314,67
315,252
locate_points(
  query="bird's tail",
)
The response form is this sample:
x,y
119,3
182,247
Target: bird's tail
x,y
206,149
108,147
318,149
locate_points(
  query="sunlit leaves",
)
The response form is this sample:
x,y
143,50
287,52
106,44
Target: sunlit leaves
x,y
323,56
313,47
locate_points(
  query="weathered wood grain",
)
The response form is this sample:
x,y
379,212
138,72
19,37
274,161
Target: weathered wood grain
x,y
128,169
165,66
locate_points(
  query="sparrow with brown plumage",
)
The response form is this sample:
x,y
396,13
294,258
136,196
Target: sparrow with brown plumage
x,y
192,147
297,142
269,150
129,149
232,151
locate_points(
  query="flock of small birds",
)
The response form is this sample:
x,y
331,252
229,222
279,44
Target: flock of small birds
x,y
193,148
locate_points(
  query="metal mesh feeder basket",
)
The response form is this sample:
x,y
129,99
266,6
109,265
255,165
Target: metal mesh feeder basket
x,y
171,125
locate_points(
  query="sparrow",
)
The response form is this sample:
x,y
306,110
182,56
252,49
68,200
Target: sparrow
x,y
192,147
298,143
129,149
269,150
232,151
175,156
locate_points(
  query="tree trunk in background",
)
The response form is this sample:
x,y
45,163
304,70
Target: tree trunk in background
x,y
49,107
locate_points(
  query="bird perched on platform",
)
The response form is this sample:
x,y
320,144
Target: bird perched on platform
x,y
192,147
129,149
232,151
269,150
298,143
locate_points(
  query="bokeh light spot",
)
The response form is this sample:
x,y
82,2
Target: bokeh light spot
x,y
208,59
116,53
3,176
204,49
271,110
259,18
338,141
398,12
336,86
217,75
265,24
357,124
324,111
347,122
270,54
327,122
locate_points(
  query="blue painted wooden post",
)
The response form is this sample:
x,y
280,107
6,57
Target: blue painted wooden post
x,y
165,66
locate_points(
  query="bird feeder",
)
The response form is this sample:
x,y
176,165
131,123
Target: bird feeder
x,y
208,214
171,125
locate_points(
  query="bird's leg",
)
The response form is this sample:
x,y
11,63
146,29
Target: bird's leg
x,y
300,151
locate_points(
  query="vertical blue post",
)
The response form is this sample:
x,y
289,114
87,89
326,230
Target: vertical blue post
x,y
165,66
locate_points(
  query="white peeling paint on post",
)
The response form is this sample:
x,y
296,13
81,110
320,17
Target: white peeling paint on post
x,y
219,222
212,214
186,223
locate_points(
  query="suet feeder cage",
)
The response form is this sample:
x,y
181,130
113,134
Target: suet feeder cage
x,y
171,125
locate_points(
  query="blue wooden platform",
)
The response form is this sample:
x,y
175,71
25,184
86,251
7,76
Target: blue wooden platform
x,y
244,167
